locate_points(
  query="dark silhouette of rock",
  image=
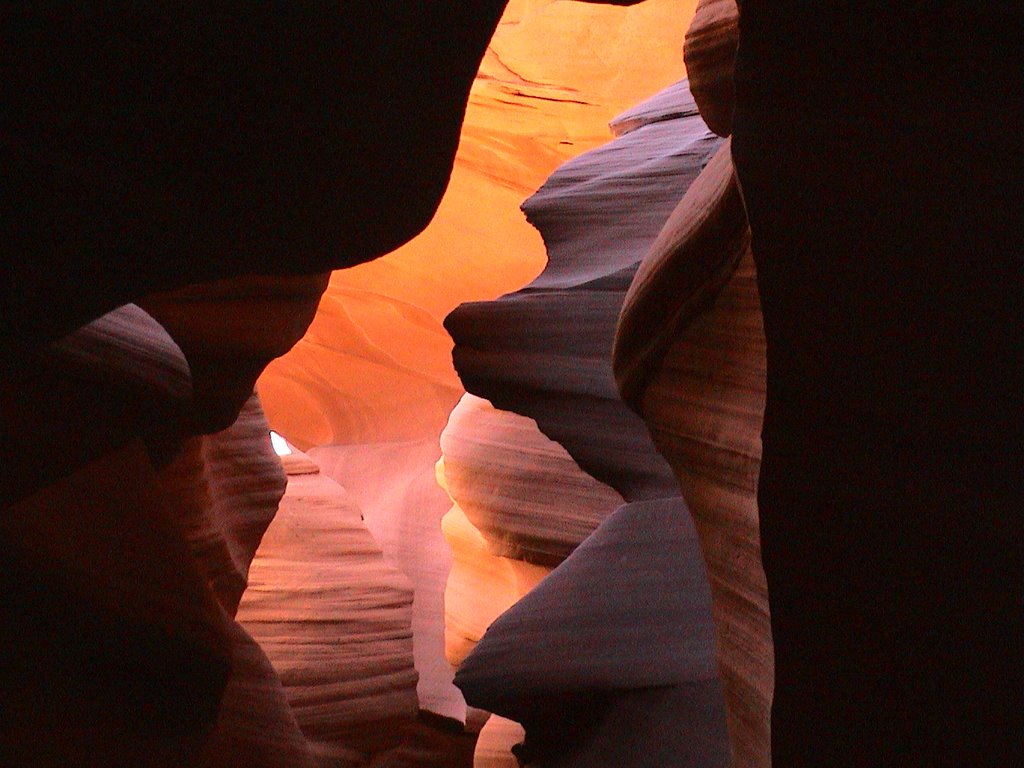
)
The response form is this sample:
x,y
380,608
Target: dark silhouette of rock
x,y
149,148
878,152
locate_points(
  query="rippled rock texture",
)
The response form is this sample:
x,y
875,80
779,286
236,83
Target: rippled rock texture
x,y
210,166
608,661
545,352
127,556
370,388
335,620
520,506
710,53
689,356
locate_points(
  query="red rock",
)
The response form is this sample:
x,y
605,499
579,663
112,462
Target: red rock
x,y
689,355
710,53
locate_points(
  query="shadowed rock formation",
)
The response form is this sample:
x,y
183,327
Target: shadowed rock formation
x,y
371,386
226,488
891,286
125,571
544,352
689,356
494,747
710,54
190,161
151,148
480,586
520,506
608,661
209,165
230,330
521,490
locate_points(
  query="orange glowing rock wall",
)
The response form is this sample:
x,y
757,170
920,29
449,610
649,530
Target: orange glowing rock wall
x,y
369,388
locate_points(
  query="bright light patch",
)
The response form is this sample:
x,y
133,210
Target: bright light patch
x,y
281,447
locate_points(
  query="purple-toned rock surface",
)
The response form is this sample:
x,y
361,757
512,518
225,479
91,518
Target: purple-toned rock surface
x,y
622,626
545,351
689,356
609,660
335,620
710,53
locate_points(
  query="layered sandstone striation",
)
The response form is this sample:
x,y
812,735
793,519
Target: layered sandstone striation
x,y
689,356
710,54
369,389
520,489
335,620
219,216
127,566
545,352
609,660
129,557
520,506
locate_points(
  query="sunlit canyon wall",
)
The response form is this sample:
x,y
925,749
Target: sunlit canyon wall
x,y
368,390
179,184
332,642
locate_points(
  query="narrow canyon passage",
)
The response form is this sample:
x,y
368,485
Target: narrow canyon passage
x,y
370,387
486,384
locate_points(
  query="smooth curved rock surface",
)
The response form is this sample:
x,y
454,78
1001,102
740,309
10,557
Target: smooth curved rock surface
x,y
115,646
371,385
521,505
125,573
85,384
709,50
692,258
480,586
522,491
255,722
632,596
226,489
494,747
230,330
689,356
705,407
544,351
335,620
395,486
626,615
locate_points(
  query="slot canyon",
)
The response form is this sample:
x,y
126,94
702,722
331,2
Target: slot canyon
x,y
512,384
